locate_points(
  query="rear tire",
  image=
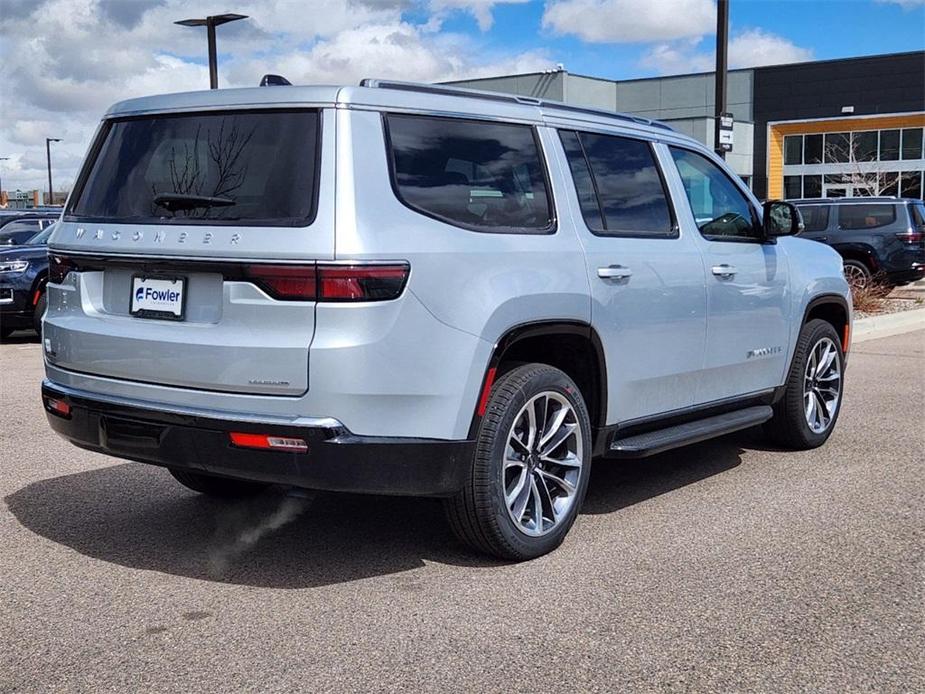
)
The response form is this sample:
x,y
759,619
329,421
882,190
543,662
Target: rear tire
x,y
805,416
219,487
857,274
39,313
525,489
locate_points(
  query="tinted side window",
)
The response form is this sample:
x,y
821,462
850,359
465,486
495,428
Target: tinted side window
x,y
630,197
475,174
865,216
721,210
815,217
918,214
584,184
19,232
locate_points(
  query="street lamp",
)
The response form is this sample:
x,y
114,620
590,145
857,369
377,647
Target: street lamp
x,y
48,141
210,23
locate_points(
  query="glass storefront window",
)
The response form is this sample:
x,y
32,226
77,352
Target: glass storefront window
x,y
812,149
911,184
912,143
889,183
889,145
837,148
793,149
812,186
864,145
793,187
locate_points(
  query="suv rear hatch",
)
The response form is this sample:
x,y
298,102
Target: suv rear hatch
x,y
186,255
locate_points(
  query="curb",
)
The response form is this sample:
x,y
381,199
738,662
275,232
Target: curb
x,y
884,326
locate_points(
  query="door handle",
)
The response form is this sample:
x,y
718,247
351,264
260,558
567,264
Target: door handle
x,y
724,270
614,272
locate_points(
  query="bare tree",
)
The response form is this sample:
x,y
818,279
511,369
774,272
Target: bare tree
x,y
866,175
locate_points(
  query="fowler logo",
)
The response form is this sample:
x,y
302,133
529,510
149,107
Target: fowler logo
x,y
157,295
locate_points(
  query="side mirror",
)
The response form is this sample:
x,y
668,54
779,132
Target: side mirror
x,y
781,219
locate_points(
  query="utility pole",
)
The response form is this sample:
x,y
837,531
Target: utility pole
x,y
48,141
210,23
722,45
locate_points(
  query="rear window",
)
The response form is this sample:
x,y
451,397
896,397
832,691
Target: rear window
x,y
479,175
254,167
865,216
815,217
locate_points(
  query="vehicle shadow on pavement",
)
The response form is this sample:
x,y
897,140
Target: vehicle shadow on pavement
x,y
25,337
616,484
137,516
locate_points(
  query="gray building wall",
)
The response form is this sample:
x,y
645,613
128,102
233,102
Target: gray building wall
x,y
685,102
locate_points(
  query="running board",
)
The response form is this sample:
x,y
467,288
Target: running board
x,y
661,440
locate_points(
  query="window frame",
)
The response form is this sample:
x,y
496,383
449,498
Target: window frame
x,y
756,217
551,229
674,229
106,127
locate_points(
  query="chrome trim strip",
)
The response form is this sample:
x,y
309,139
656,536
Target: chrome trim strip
x,y
221,259
223,415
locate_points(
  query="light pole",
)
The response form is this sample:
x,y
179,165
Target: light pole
x,y
210,23
48,141
722,45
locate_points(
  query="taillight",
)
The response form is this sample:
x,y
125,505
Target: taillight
x,y
360,282
58,267
910,236
268,442
288,282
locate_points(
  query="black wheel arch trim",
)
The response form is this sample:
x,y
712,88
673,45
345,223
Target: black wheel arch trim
x,y
549,328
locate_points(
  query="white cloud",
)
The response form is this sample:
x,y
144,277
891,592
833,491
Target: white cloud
x,y
66,61
750,48
480,9
630,21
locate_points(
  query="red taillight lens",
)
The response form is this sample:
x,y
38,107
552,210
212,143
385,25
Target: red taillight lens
x,y
288,282
58,267
267,442
911,236
361,282
331,282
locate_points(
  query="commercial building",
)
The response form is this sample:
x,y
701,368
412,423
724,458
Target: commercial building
x,y
828,128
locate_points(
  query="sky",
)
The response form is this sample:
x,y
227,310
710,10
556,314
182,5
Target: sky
x,y
65,61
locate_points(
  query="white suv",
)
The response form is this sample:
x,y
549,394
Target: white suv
x,y
406,289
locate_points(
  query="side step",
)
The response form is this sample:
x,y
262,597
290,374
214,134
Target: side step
x,y
661,440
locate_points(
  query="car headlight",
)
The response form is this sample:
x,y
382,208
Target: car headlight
x,y
13,266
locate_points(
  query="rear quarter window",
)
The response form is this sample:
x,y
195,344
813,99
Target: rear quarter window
x,y
234,167
865,216
815,217
479,175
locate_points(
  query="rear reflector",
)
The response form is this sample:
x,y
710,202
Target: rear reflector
x,y
58,407
360,282
267,442
486,391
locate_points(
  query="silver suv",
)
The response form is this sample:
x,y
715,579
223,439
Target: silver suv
x,y
405,289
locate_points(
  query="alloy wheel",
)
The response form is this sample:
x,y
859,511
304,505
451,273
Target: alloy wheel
x,y
542,463
822,382
855,276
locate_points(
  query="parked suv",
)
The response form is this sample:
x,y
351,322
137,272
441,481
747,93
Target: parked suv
x,y
878,238
406,289
23,274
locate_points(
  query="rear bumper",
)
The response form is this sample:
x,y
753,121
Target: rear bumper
x,y
913,274
336,460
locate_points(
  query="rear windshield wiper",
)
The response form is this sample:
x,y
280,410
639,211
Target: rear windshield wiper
x,y
180,201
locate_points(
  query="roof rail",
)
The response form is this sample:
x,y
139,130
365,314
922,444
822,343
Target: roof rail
x,y
506,98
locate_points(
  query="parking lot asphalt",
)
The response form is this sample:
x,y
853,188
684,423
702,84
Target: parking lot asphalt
x,y
726,566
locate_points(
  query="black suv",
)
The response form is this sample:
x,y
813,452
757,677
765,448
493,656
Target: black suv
x,y
881,238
